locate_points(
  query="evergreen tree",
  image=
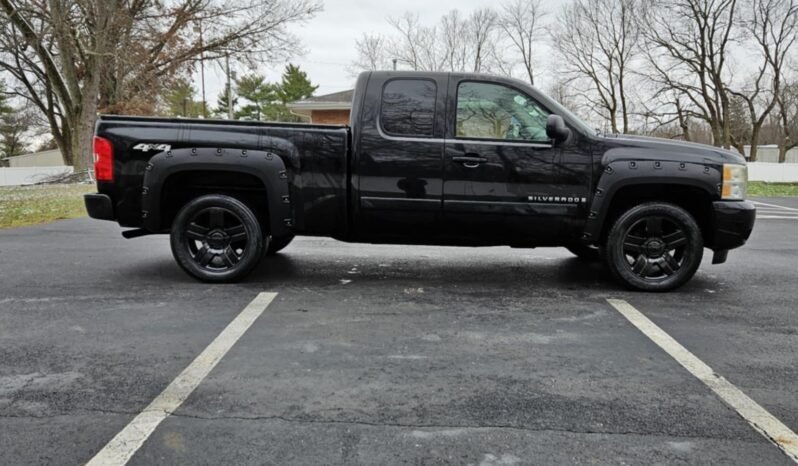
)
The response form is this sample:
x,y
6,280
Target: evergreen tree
x,y
14,123
13,127
5,107
294,86
259,95
221,110
180,100
265,101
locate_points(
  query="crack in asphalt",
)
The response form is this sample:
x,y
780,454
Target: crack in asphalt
x,y
373,424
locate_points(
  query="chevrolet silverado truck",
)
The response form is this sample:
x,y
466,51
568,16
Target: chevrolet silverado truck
x,y
445,159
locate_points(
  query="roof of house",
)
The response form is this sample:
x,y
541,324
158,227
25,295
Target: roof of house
x,y
335,101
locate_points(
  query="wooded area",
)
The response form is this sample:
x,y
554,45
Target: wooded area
x,y
722,72
73,59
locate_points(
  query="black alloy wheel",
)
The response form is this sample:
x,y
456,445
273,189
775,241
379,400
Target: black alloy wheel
x,y
217,238
654,247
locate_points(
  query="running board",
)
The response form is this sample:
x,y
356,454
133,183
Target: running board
x,y
720,257
137,233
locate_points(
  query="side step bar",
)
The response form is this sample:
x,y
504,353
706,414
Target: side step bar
x,y
137,233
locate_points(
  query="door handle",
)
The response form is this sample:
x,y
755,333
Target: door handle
x,y
471,161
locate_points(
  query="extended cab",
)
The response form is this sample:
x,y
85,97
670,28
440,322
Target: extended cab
x,y
429,158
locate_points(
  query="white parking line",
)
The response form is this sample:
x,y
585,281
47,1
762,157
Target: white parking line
x,y
761,420
775,206
122,447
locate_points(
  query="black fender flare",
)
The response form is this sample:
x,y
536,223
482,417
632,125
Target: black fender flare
x,y
266,166
646,171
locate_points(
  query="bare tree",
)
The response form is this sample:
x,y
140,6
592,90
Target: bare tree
x,y
470,43
520,20
56,51
598,41
665,115
773,27
372,54
688,48
70,58
788,119
416,45
482,27
453,30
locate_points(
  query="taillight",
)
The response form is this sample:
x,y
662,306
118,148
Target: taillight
x,y
103,159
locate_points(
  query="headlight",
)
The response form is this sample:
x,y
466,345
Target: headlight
x,y
735,182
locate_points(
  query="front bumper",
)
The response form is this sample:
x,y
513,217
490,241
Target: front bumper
x,y
99,206
733,223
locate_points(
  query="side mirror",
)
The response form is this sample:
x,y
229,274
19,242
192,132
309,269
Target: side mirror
x,y
556,129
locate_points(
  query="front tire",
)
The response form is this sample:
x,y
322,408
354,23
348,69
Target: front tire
x,y
216,239
654,247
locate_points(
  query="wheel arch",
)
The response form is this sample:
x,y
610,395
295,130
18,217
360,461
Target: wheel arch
x,y
690,186
258,173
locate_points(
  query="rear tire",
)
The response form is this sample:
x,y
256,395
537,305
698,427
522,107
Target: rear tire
x,y
216,239
278,243
654,247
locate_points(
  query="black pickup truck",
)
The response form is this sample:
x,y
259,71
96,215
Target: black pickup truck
x,y
430,158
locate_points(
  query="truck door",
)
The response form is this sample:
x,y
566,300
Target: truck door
x,y
502,177
399,158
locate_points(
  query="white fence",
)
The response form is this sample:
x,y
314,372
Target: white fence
x,y
773,172
30,175
770,154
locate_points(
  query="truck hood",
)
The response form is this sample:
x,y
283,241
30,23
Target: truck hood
x,y
667,149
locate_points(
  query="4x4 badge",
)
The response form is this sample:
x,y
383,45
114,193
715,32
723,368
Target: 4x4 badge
x,y
149,147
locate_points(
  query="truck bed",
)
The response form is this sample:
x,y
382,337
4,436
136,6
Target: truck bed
x,y
316,157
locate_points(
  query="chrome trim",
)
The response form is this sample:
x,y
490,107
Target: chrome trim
x,y
383,135
534,145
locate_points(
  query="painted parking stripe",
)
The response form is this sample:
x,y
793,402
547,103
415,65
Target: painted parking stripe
x,y
761,420
775,206
767,211
122,447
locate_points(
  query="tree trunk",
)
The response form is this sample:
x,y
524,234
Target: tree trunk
x,y
79,131
82,139
782,153
624,109
717,134
726,122
754,142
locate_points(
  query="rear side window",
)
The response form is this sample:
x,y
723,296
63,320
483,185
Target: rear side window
x,y
408,107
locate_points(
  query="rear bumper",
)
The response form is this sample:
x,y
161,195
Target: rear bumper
x,y
99,206
734,221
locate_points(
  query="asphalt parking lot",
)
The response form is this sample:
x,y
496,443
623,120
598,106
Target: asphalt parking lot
x,y
390,354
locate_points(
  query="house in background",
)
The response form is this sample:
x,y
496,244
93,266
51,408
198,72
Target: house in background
x,y
330,109
48,158
32,168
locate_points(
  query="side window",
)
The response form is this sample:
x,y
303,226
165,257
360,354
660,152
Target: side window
x,y
408,107
493,111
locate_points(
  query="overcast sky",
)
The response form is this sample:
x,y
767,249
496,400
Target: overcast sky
x,y
330,37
